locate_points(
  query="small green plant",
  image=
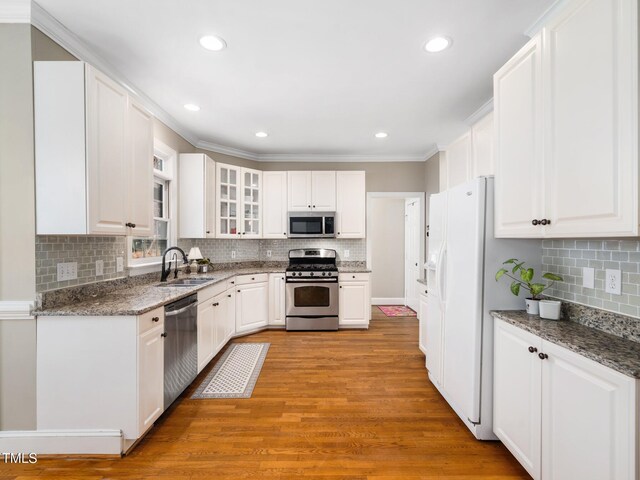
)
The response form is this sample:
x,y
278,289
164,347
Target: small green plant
x,y
204,261
526,278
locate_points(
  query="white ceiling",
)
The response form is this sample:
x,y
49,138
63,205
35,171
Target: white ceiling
x,y
321,77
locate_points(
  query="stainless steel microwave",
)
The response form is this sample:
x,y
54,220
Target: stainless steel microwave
x,y
312,225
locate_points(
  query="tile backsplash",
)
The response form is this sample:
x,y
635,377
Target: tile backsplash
x,y
567,257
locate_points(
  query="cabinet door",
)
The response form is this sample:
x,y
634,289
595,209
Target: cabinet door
x,y
482,143
323,191
150,378
432,321
251,224
588,419
252,306
351,205
206,333
516,394
107,172
276,299
219,322
274,210
422,318
459,161
591,167
209,197
355,304
519,193
299,191
230,313
140,158
228,201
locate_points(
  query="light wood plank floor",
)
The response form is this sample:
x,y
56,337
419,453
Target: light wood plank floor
x,y
332,405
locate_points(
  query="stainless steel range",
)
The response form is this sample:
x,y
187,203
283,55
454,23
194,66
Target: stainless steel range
x,y
312,290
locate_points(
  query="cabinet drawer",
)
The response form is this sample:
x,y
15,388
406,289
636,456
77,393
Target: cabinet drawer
x,y
151,319
231,282
244,279
212,291
353,277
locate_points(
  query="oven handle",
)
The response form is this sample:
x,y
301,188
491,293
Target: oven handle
x,y
328,280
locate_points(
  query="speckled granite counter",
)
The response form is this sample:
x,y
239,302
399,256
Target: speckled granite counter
x,y
610,350
137,295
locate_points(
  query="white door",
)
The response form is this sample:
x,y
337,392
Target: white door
x,y
323,191
516,393
228,201
274,212
299,191
518,148
355,304
206,333
351,204
107,172
591,132
433,342
459,161
462,261
412,266
251,203
209,197
150,377
140,159
252,306
482,142
276,299
588,419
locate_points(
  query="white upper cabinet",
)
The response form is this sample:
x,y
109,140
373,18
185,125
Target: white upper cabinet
x,y
351,204
94,153
308,191
239,202
274,217
197,196
518,136
582,177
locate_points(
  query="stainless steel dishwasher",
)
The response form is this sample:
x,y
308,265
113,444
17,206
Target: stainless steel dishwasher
x,y
180,346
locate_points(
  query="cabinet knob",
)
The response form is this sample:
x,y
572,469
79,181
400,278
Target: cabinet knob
x,y
238,291
308,206
155,319
164,334
208,232
543,356
232,282
253,278
353,276
285,234
534,222
229,295
532,349
338,233
426,291
130,225
340,286
314,206
545,221
244,233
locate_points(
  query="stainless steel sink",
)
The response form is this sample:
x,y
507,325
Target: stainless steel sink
x,y
185,282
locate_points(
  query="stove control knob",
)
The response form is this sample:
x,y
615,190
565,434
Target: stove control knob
x,y
311,274
324,273
299,274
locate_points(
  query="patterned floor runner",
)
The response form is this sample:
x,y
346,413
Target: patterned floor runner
x,y
236,373
397,311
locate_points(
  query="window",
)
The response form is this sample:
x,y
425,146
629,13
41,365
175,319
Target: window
x,y
148,250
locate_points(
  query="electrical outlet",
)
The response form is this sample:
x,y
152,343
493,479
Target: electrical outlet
x,y
588,277
613,282
119,264
346,254
268,253
233,254
67,271
99,267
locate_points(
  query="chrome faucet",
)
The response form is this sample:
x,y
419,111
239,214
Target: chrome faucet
x,y
165,273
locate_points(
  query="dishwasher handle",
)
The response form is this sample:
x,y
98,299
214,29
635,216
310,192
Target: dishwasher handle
x,y
178,312
188,302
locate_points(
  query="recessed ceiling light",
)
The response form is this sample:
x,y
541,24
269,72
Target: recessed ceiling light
x,y
437,44
213,43
191,107
262,134
381,135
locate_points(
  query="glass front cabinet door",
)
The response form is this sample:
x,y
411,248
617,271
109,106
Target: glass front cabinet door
x,y
239,202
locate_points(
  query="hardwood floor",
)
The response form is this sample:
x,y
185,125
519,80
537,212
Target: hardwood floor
x,y
329,405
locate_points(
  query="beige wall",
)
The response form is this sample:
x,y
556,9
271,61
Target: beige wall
x,y
45,49
17,227
387,247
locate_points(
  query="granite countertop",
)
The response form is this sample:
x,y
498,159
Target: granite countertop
x,y
135,298
605,348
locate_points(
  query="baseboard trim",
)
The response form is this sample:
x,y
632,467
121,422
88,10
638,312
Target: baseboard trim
x,y
387,301
62,442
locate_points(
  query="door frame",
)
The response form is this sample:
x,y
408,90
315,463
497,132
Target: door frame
x,y
408,283
421,230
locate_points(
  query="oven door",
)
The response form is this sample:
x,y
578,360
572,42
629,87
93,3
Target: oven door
x,y
311,298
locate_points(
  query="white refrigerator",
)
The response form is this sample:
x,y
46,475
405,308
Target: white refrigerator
x,y
461,264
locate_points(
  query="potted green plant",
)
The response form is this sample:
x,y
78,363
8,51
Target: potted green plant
x,y
204,264
526,281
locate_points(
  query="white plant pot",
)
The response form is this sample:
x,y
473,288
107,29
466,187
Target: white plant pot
x,y
550,309
532,306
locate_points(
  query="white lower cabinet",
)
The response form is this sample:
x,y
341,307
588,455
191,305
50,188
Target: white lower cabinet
x,y
562,415
277,311
354,300
252,302
206,333
230,313
151,377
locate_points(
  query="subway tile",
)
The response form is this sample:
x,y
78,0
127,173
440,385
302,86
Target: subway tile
x,y
629,245
612,245
595,245
620,256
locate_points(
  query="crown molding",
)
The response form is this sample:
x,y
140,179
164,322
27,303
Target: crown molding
x,y
49,25
234,152
536,26
485,109
15,11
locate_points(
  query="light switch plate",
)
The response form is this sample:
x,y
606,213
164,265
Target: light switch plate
x,y
613,281
268,253
99,267
67,271
119,264
233,254
588,277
